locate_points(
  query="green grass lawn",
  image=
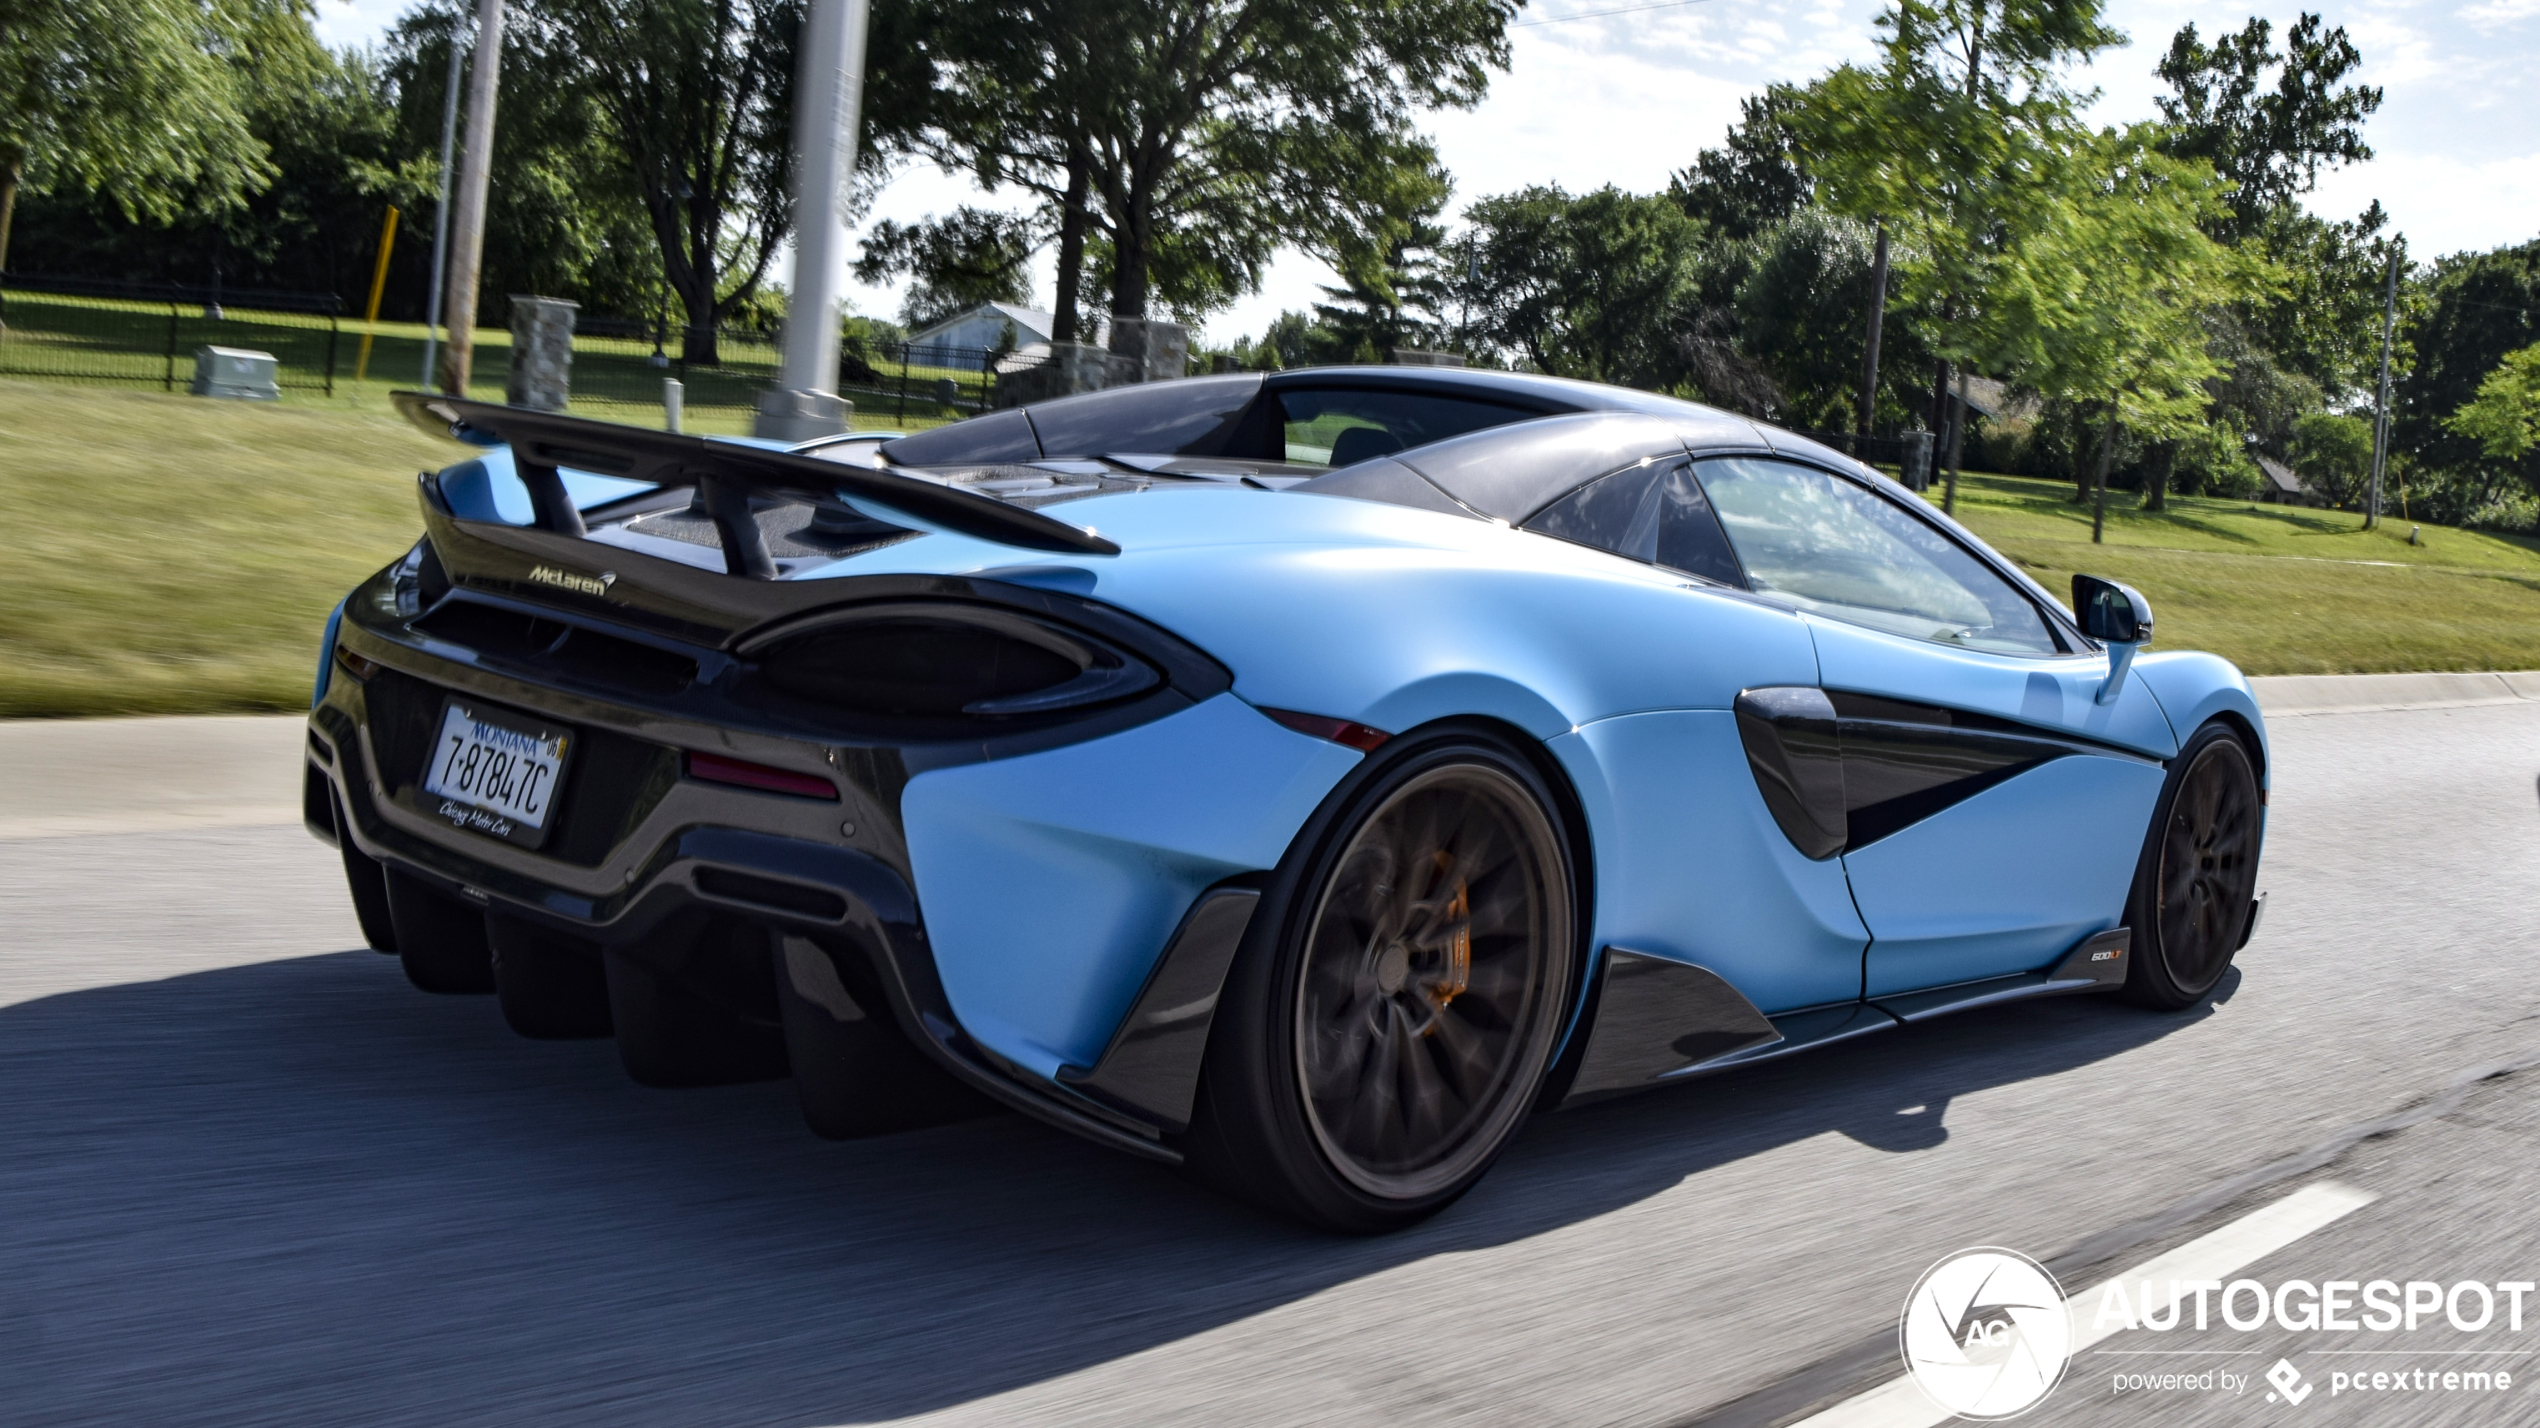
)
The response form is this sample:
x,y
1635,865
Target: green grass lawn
x,y
2280,589
172,554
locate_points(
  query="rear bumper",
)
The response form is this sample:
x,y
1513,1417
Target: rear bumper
x,y
1064,872
697,851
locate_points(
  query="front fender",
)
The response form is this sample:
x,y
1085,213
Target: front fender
x,y
2193,687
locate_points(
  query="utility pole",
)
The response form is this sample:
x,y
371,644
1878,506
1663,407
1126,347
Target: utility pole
x,y
828,100
1870,363
2381,397
441,204
467,255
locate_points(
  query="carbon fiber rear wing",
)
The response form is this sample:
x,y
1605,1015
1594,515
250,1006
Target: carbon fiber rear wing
x,y
726,475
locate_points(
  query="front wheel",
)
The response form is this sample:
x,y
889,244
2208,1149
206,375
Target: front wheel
x,y
1392,1013
2199,873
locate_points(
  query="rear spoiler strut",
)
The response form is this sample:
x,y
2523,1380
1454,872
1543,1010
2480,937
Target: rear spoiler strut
x,y
725,474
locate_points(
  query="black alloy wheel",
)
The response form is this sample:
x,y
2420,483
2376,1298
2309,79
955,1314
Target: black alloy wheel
x,y
2199,874
1392,1015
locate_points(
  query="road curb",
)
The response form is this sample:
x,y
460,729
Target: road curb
x,y
2284,695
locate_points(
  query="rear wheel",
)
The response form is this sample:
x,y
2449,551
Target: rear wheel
x,y
2199,873
1393,1011
440,939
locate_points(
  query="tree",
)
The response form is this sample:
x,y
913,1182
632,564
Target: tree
x,y
1755,179
698,99
2504,418
2269,144
2333,455
1595,286
966,258
1799,316
2104,290
141,100
2468,313
1957,131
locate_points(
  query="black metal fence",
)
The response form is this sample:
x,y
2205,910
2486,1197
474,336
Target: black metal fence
x,y
623,362
88,331
146,334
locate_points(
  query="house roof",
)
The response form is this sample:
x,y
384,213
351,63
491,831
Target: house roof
x,y
2280,477
1030,324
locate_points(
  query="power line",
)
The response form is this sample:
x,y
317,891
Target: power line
x,y
1601,14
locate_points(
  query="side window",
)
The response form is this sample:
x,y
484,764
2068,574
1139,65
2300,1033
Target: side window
x,y
1338,427
1839,549
1654,511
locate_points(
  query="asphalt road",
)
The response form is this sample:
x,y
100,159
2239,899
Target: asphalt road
x,y
247,1175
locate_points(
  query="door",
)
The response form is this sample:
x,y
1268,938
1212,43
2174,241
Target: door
x,y
1993,808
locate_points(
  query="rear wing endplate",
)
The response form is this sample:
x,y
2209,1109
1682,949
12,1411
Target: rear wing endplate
x,y
725,475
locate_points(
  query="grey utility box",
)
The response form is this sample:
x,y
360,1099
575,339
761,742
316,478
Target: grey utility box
x,y
236,373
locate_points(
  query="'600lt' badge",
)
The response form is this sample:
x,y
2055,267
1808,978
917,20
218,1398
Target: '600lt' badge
x,y
1986,1334
573,580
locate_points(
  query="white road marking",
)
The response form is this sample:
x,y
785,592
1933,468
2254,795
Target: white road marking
x,y
1898,1403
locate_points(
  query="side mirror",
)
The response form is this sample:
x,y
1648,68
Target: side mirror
x,y
2111,613
2117,616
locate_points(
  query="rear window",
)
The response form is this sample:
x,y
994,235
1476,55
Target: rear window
x,y
1156,418
1340,427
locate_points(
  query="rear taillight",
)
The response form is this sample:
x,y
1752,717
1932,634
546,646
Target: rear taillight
x,y
945,665
715,768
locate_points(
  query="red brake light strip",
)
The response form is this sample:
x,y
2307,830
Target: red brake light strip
x,y
715,768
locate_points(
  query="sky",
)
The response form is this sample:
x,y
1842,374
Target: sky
x,y
1593,97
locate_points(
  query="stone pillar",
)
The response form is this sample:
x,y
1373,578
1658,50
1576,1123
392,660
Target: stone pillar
x,y
1161,350
788,415
541,376
1914,472
1071,367
1418,357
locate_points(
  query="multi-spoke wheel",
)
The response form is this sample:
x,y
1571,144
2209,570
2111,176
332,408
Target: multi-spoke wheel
x,y
2190,907
1395,1006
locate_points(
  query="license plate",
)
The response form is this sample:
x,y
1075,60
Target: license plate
x,y
495,774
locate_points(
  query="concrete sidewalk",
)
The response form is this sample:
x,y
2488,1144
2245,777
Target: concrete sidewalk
x,y
65,777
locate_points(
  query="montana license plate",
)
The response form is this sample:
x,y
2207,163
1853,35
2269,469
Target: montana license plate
x,y
495,773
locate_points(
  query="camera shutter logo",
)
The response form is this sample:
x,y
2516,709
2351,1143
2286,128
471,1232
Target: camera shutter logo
x,y
1985,1334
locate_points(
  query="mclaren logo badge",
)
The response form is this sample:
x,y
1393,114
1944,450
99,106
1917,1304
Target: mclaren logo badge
x,y
573,580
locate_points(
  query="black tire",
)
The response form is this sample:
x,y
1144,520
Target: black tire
x,y
1381,1037
440,939
855,1074
368,883
2198,874
551,987
711,1022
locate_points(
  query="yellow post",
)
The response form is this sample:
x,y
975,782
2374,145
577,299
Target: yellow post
x,y
378,280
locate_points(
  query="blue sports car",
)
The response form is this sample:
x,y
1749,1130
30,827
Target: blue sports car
x,y
1300,778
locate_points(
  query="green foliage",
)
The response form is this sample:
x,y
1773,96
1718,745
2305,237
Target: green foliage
x,y
143,101
1955,134
2211,461
2333,455
2269,144
968,257
2504,418
1755,179
2471,311
2103,290
1801,308
1597,286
